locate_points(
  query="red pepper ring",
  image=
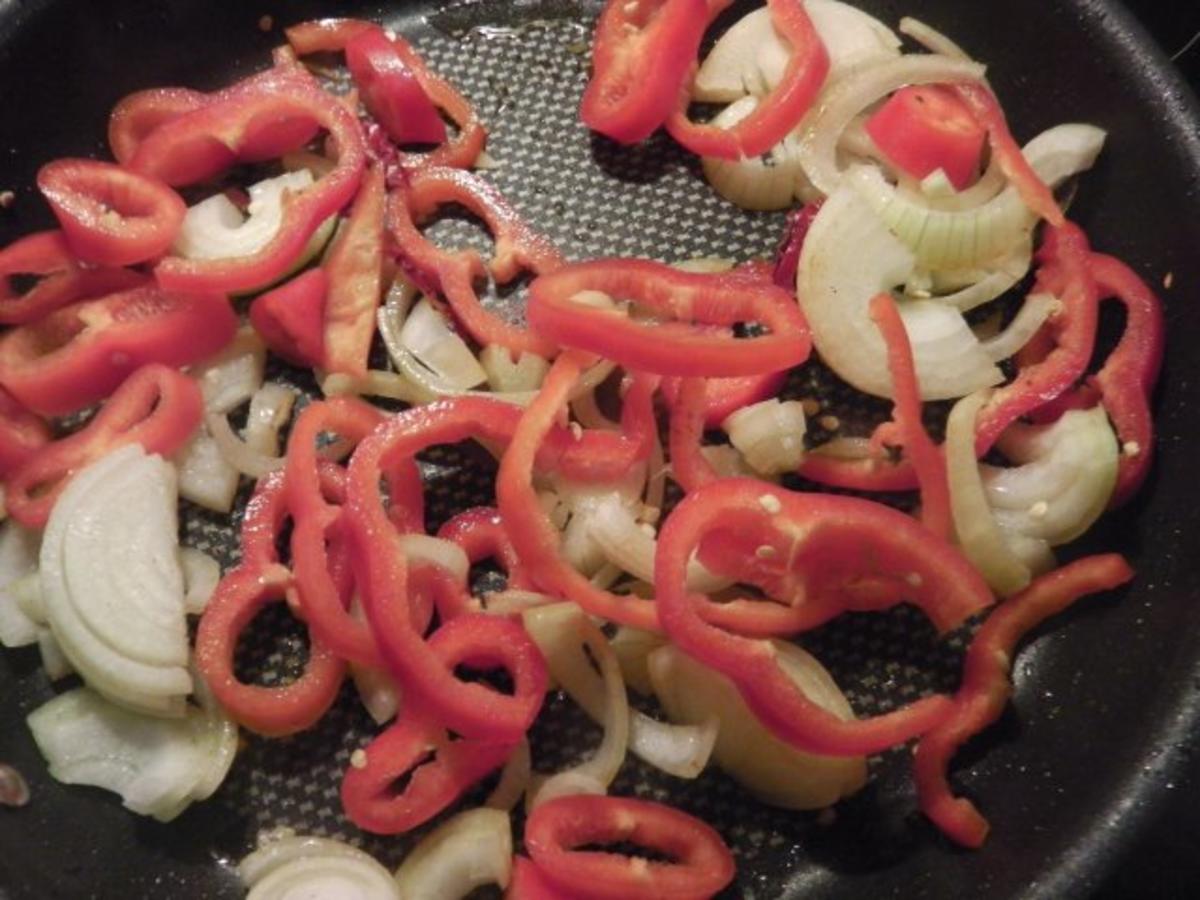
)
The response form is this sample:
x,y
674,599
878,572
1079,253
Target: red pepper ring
x,y
63,280
109,215
781,110
723,397
927,459
156,407
535,538
441,771
269,711
454,272
689,467
641,57
987,686
560,309
701,863
244,122
852,539
317,522
481,534
390,90
137,115
528,883
22,434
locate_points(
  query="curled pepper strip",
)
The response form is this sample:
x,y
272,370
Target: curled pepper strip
x,y
987,686
156,407
689,468
641,57
561,308
79,354
63,281
864,555
109,215
781,110
138,114
701,865
481,534
22,434
528,883
453,273
723,397
461,152
245,122
318,522
927,459
441,771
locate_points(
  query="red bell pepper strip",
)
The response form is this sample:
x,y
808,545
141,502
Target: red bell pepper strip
x,y
642,54
481,534
138,114
241,123
987,685
689,467
22,434
354,265
693,300
988,113
156,407
530,530
461,152
1126,381
272,711
722,397
923,128
787,257
454,272
441,771
318,521
928,461
781,110
700,864
390,91
291,318
528,883
109,215
78,355
837,553
63,280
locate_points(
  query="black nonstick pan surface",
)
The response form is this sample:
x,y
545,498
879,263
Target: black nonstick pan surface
x,y
1108,697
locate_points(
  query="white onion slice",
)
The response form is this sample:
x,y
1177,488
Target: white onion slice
x,y
1034,312
768,768
425,349
18,561
201,573
760,183
750,58
931,39
378,692
205,477
111,585
727,462
424,549
858,90
158,766
230,378
506,375
769,435
55,663
270,409
469,851
849,256
968,289
633,647
1064,476
235,451
310,868
514,779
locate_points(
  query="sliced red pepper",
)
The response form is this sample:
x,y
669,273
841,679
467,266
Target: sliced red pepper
x,y
836,553
1016,168
481,534
528,883
724,396
390,91
1126,381
987,686
78,355
700,864
109,215
317,522
923,128
243,123
156,407
560,308
461,152
354,265
272,711
63,280
291,318
22,434
787,258
454,272
439,771
138,114
781,110
641,56
530,530
689,467
927,459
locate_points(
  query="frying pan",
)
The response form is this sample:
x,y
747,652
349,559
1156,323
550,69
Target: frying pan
x,y
1108,696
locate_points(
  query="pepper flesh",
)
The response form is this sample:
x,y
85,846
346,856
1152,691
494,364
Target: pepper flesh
x,y
291,318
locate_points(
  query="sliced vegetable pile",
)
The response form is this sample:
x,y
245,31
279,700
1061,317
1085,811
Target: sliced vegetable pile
x,y
913,209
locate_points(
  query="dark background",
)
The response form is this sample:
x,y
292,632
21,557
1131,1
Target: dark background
x,y
1169,853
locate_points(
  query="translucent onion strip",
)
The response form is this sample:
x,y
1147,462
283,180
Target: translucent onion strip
x,y
769,435
514,779
469,851
1034,312
18,561
302,867
200,576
